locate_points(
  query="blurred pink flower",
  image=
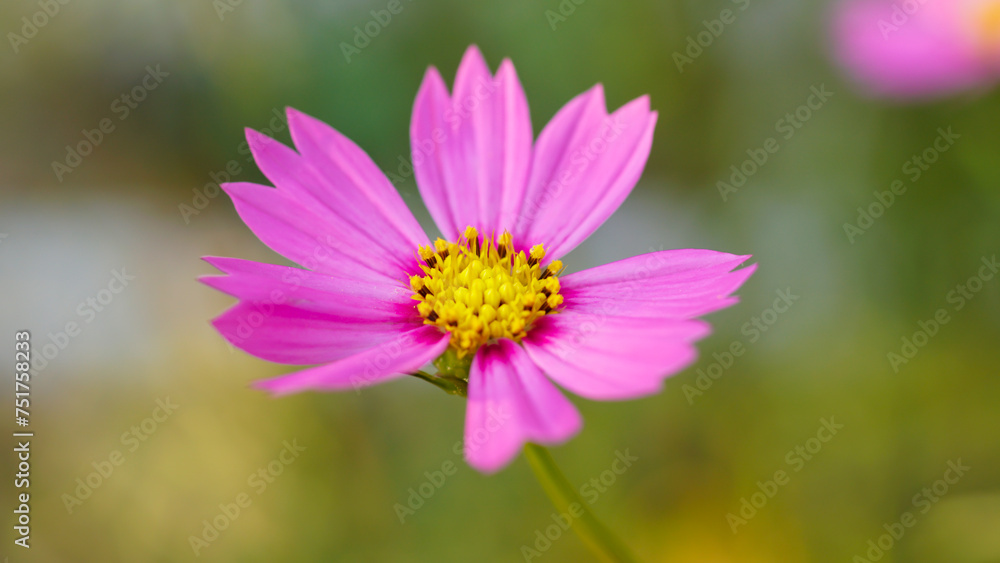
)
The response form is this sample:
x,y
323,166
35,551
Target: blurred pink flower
x,y
378,301
919,48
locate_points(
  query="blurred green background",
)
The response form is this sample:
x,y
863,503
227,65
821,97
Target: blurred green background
x,y
702,445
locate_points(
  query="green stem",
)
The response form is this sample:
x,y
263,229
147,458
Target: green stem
x,y
601,540
450,385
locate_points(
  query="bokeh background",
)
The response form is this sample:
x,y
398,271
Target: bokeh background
x,y
702,445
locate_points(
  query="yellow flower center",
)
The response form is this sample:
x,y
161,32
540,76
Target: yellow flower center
x,y
480,289
986,26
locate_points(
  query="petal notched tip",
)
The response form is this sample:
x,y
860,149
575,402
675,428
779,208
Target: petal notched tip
x,y
229,265
596,95
217,262
300,117
259,143
275,387
511,402
473,62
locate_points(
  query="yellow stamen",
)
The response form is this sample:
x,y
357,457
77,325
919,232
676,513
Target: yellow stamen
x,y
480,290
986,26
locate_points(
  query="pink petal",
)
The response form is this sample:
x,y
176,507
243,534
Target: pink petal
x,y
405,353
511,403
928,53
515,146
338,197
353,185
347,299
611,358
584,166
626,326
427,133
287,334
582,113
297,233
673,284
471,151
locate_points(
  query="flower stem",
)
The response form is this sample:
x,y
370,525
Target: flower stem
x,y
601,540
450,385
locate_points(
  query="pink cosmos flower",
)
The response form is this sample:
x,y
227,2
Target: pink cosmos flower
x,y
378,300
919,48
